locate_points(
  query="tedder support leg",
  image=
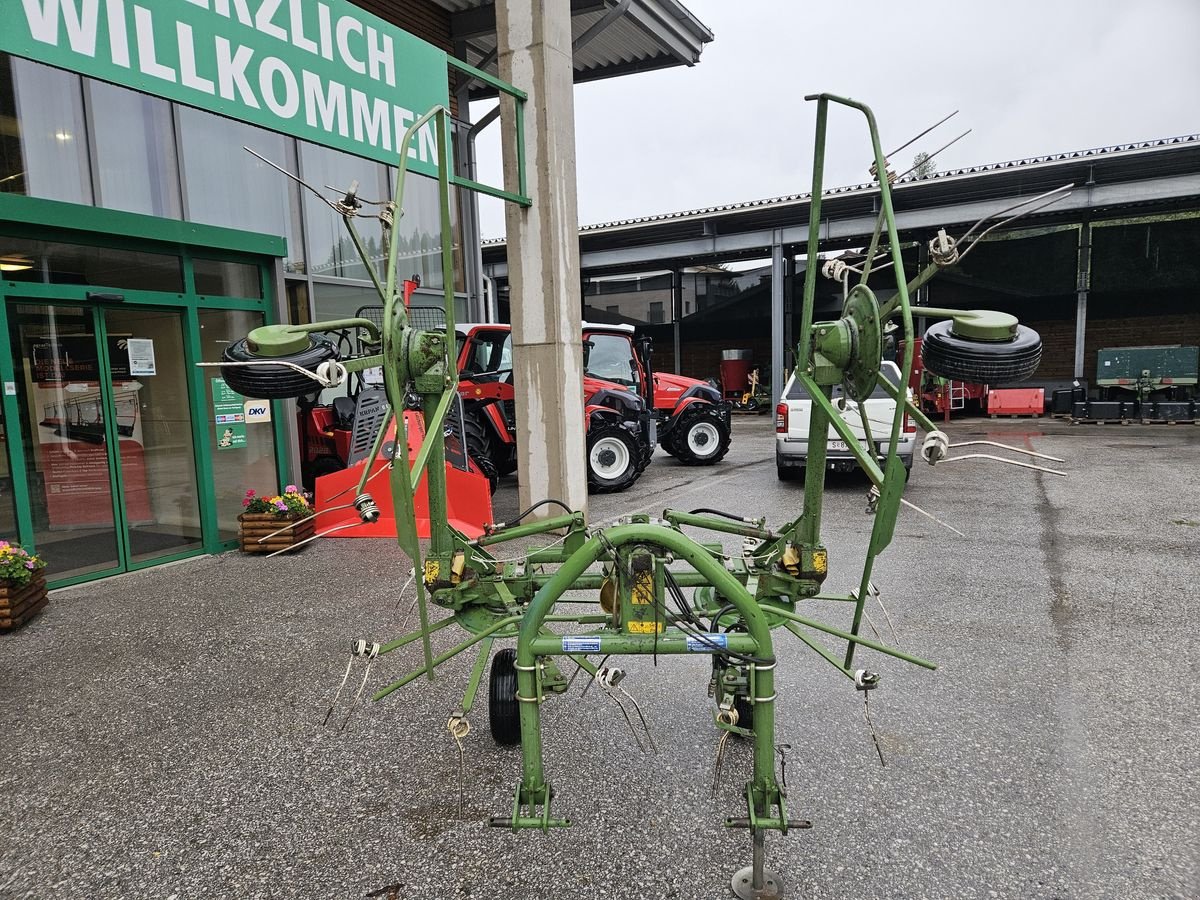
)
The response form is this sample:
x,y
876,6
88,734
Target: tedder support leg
x,y
532,803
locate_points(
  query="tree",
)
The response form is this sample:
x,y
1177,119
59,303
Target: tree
x,y
922,165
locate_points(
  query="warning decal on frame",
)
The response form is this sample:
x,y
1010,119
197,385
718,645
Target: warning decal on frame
x,y
573,643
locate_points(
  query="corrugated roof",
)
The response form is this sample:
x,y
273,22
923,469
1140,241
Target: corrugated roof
x,y
649,34
938,176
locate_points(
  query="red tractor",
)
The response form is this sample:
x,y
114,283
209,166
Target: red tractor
x,y
691,417
620,438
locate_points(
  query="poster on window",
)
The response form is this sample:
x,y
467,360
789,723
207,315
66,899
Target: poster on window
x,y
72,432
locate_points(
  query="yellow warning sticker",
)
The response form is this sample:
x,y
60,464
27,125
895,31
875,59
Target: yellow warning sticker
x,y
647,627
820,561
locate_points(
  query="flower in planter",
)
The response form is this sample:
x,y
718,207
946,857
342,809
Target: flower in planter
x,y
17,565
291,504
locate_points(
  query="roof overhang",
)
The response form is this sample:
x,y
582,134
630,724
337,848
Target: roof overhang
x,y
611,37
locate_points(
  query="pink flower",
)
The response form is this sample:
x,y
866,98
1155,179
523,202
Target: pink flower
x,y
31,565
250,493
4,544
291,489
281,506
246,502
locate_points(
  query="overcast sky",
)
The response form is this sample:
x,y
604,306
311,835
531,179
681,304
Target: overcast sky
x,y
1028,78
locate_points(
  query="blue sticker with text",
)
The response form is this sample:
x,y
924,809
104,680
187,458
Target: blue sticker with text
x,y
707,643
573,643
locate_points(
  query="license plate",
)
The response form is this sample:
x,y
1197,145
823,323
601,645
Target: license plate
x,y
839,446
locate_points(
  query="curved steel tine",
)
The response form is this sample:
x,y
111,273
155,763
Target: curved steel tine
x,y
1006,447
1023,203
1001,459
292,525
353,487
315,536
645,724
927,515
912,141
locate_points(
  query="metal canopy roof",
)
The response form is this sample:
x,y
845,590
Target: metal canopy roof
x,y
612,37
1128,179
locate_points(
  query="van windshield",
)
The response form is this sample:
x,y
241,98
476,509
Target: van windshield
x,y
889,370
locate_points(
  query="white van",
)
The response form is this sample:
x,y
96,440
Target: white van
x,y
791,427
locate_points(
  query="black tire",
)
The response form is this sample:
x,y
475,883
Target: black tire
x,y
700,437
789,473
479,449
504,716
274,382
615,458
981,362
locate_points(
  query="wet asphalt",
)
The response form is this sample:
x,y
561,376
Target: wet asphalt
x,y
162,738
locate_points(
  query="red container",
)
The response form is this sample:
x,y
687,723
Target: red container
x,y
735,372
1016,402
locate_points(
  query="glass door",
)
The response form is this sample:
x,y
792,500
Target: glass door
x,y
153,419
106,439
64,438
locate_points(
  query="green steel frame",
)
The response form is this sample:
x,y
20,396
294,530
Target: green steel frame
x,y
635,565
53,221
631,569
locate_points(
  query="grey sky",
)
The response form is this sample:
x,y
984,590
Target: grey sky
x,y
1028,78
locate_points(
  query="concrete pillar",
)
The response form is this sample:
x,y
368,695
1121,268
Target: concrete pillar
x,y
1084,280
677,317
534,42
777,336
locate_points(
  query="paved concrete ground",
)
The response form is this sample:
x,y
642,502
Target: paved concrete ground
x,y
161,731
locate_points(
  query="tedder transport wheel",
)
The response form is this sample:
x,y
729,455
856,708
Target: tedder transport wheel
x,y
981,362
701,437
274,382
503,716
614,458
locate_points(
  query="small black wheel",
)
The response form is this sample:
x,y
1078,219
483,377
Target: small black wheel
x,y
701,436
274,382
614,457
503,715
981,362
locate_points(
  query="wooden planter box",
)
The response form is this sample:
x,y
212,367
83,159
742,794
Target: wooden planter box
x,y
258,525
20,604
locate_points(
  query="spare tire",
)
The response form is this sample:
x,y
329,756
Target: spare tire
x,y
948,355
267,382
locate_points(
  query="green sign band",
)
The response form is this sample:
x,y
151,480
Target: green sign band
x,y
326,72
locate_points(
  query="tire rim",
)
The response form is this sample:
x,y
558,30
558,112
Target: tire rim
x,y
609,458
703,439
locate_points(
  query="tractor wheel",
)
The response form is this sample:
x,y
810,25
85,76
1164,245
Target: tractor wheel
x,y
479,449
981,362
614,458
274,382
700,437
503,714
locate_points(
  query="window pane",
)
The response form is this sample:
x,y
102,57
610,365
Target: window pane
x,y
330,251
229,187
41,127
135,151
215,278
419,232
237,467
53,263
